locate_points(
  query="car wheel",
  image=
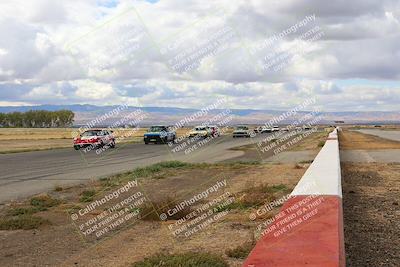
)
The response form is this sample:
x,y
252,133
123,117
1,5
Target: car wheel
x,y
77,147
112,144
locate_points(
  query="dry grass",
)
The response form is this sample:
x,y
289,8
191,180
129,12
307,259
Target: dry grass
x,y
35,133
241,251
24,222
14,146
87,195
186,259
151,211
311,142
22,216
44,201
354,140
255,195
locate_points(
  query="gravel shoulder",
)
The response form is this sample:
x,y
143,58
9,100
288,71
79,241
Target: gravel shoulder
x,y
371,199
371,196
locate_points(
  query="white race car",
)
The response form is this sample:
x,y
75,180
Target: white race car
x,y
242,131
200,131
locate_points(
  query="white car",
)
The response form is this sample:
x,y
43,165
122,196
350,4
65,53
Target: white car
x,y
262,129
275,129
200,131
95,138
265,129
242,131
258,129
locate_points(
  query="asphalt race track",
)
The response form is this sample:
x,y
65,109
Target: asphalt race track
x,y
28,173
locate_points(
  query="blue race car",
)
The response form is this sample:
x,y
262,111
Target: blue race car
x,y
159,135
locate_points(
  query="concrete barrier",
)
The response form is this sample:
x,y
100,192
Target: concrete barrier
x,y
308,231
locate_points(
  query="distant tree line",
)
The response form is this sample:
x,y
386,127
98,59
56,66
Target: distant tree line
x,y
37,119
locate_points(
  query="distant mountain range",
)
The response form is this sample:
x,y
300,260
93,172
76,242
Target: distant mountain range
x,y
171,115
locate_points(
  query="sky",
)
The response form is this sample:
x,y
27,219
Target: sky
x,y
255,54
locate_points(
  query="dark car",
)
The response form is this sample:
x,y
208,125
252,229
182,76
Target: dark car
x,y
159,135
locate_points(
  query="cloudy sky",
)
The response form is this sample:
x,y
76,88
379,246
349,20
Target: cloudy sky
x,y
179,53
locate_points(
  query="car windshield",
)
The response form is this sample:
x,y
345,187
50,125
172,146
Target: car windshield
x,y
242,128
91,133
200,128
157,129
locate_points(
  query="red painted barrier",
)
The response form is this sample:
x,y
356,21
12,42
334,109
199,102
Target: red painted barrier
x,y
311,237
308,231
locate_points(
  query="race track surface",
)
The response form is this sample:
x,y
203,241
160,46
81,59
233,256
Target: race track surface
x,y
28,173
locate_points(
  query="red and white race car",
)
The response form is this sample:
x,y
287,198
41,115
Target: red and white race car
x,y
94,138
215,132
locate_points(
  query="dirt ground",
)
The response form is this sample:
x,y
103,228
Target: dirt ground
x,y
371,196
59,244
371,199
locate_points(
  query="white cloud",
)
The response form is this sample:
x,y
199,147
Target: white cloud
x,y
3,52
88,89
114,50
44,93
14,104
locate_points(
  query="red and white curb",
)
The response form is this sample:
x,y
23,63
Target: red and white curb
x,y
308,231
